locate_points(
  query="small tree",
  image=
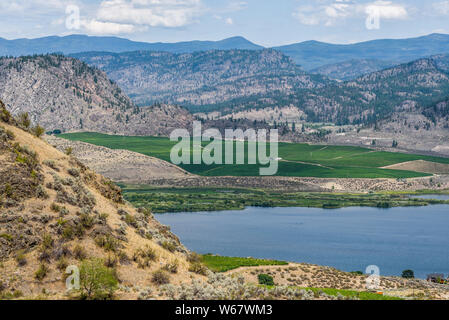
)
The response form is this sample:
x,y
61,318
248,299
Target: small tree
x,y
97,281
38,131
266,280
408,274
24,119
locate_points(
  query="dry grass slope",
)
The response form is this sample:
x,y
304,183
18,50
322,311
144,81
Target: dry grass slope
x,y
421,166
55,212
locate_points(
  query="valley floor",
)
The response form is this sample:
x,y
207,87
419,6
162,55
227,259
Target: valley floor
x,y
156,184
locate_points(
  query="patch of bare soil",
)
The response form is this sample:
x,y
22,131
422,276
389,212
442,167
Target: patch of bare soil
x,y
119,165
421,166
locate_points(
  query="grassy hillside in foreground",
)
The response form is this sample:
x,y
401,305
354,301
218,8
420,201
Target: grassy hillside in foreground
x,y
298,160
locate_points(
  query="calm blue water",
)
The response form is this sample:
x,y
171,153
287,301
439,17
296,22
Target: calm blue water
x,y
349,239
432,196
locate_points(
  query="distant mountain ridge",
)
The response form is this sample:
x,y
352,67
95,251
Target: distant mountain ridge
x,y
81,43
314,54
309,54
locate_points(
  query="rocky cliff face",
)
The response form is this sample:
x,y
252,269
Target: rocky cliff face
x,y
65,94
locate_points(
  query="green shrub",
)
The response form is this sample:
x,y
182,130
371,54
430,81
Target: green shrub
x,y
24,119
87,220
160,277
51,164
97,281
7,237
170,246
62,264
47,242
123,257
21,258
172,267
10,135
79,253
68,233
198,268
5,115
69,151
111,261
357,273
107,242
131,220
41,273
38,131
145,253
74,172
55,208
194,257
408,274
265,279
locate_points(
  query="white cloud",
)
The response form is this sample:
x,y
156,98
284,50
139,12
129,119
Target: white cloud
x,y
386,10
329,12
441,8
31,7
103,28
236,6
308,15
153,13
229,21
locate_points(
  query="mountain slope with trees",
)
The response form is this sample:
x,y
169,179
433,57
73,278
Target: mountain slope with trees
x,y
65,94
202,78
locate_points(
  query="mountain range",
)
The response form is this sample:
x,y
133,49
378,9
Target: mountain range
x,y
231,81
309,55
81,43
138,92
314,54
66,94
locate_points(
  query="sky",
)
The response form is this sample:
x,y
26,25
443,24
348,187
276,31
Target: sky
x,y
265,22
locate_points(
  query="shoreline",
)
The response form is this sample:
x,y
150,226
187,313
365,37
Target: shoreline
x,y
177,200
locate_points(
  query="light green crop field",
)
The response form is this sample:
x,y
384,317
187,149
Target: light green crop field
x,y
298,160
223,264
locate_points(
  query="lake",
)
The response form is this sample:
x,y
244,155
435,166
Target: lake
x,y
431,196
348,239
